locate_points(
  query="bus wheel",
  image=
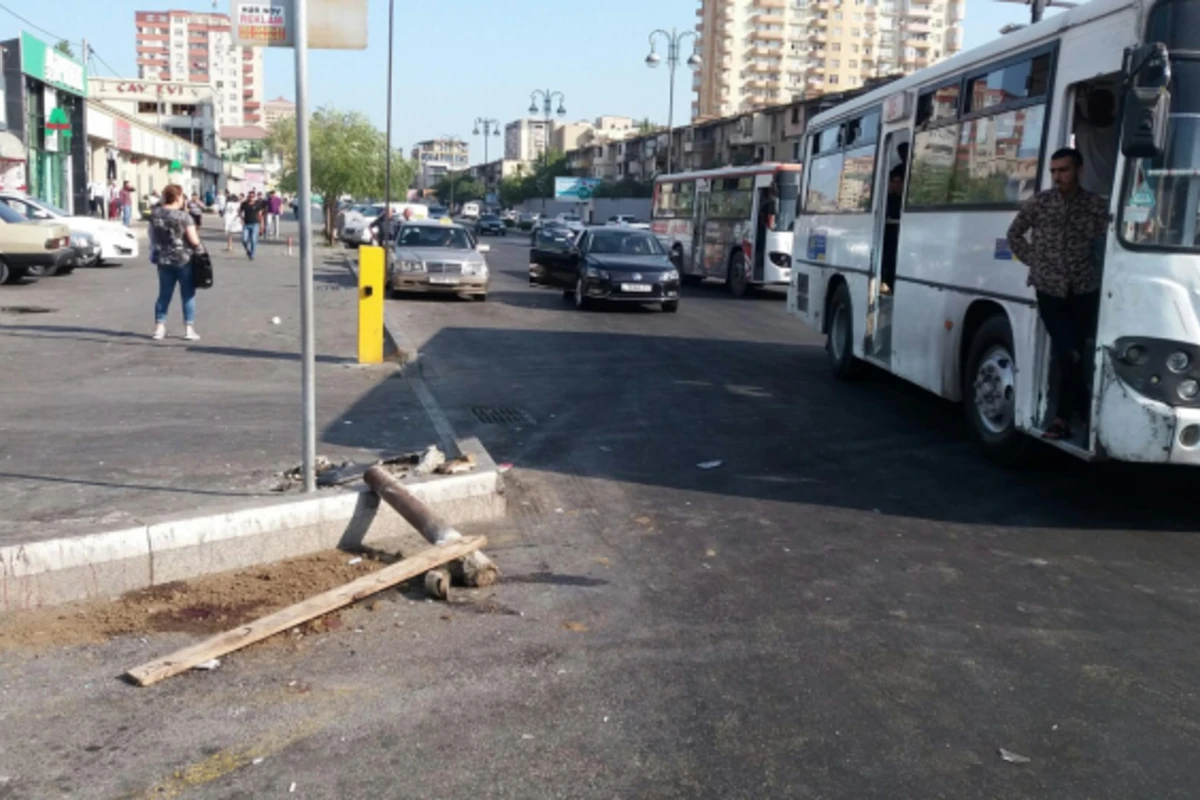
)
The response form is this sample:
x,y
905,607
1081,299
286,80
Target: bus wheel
x,y
839,345
989,393
736,280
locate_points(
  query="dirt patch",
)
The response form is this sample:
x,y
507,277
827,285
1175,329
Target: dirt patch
x,y
203,606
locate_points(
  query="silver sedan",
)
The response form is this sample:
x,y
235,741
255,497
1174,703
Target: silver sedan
x,y
437,257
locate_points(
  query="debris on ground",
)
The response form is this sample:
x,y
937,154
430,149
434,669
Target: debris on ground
x,y
203,605
575,627
429,461
1014,758
355,560
457,466
504,467
209,665
710,464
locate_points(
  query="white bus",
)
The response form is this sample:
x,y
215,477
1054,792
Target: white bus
x,y
972,137
714,225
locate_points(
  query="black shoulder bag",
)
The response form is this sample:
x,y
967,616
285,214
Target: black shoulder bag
x,y
202,270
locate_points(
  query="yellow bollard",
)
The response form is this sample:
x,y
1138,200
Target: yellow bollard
x,y
371,290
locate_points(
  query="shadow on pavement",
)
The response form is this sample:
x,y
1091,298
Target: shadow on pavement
x,y
649,408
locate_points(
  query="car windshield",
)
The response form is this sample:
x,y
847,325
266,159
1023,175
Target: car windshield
x,y
437,211
571,218
8,215
53,209
372,211
1160,205
431,236
629,243
489,218
788,189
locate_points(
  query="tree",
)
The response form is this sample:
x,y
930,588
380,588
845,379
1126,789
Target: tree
x,y
347,158
65,48
458,187
646,126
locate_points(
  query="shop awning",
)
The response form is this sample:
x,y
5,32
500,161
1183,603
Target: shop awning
x,y
11,148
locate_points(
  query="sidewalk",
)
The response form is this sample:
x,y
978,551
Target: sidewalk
x,y
102,427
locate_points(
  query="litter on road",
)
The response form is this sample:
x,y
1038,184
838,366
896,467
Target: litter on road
x,y
1014,758
355,560
211,664
710,464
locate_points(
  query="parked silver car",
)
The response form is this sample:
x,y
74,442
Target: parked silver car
x,y
438,257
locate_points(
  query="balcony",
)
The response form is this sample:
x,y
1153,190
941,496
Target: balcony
x,y
919,12
767,36
767,18
818,37
780,4
918,27
918,44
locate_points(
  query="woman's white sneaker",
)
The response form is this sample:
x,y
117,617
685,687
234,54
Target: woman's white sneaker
x,y
191,335
160,332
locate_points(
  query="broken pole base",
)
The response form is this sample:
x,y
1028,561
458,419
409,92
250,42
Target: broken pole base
x,y
476,569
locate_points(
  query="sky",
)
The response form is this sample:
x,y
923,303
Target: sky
x,y
458,60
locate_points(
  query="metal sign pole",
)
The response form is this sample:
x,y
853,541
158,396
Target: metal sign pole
x,y
304,205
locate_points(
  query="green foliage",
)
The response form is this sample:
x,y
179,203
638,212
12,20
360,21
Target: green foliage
x,y
347,158
459,188
626,187
65,48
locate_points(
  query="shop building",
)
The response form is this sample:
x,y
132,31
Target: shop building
x,y
43,120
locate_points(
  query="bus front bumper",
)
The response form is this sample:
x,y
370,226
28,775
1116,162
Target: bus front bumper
x,y
1132,427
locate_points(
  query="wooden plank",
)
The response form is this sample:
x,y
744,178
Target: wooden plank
x,y
188,657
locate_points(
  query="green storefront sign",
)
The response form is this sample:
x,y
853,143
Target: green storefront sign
x,y
43,62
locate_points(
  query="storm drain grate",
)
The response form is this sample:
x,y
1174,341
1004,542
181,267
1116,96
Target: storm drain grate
x,y
490,415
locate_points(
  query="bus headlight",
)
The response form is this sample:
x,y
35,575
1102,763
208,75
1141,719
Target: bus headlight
x,y
1138,362
781,259
1178,362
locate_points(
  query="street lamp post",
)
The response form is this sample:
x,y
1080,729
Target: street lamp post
x,y
453,145
547,104
387,170
491,127
674,40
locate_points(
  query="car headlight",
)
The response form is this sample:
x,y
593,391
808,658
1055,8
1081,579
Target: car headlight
x,y
596,272
671,275
412,266
475,270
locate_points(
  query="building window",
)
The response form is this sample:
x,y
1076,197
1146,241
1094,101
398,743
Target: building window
x,y
852,64
835,47
833,79
147,108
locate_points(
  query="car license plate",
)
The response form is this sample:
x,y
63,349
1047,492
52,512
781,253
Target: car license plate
x,y
635,287
443,280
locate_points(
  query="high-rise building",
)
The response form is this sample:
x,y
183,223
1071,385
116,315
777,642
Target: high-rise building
x,y
437,157
527,139
193,47
277,109
764,52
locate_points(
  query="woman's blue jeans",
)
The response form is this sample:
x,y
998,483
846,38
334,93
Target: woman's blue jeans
x,y
168,276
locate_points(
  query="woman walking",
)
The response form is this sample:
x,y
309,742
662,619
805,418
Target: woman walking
x,y
233,220
173,239
196,210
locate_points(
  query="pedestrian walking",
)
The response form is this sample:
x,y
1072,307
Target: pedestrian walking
x,y
125,203
252,210
173,241
196,210
232,218
274,207
98,194
1065,273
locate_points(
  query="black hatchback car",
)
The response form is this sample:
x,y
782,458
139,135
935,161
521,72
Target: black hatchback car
x,y
621,264
490,224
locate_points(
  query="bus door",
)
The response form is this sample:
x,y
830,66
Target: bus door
x,y
766,206
889,191
699,222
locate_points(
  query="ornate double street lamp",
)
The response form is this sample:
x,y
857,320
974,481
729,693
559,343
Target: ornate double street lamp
x,y
674,40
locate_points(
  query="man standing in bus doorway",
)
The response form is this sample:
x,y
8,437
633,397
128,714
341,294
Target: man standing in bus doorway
x,y
1065,222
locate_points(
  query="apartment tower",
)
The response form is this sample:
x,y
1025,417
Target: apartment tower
x,y
194,47
766,52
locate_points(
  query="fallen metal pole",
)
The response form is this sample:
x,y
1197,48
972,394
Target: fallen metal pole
x,y
477,568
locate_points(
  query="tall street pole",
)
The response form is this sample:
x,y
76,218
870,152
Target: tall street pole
x,y
674,40
547,105
308,388
489,125
387,170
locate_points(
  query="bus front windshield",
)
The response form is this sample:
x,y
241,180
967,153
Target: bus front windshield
x,y
1160,205
787,189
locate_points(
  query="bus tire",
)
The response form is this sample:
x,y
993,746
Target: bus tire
x,y
839,344
736,279
989,393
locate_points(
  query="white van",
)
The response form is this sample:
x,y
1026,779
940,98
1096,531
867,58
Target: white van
x,y
470,210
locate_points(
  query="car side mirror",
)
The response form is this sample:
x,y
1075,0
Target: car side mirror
x,y
1147,101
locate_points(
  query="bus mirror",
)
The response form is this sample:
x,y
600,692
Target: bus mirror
x,y
1147,102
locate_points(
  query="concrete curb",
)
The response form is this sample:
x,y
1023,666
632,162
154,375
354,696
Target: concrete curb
x,y
108,563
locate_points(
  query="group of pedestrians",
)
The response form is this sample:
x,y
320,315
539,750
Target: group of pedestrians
x,y
113,201
249,216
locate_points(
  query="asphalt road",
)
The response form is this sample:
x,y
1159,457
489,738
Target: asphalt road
x,y
853,604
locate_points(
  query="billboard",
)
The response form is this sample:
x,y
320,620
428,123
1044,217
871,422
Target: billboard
x,y
332,24
579,190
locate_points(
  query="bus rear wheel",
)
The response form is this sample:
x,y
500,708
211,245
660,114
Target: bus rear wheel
x,y
989,393
737,280
839,344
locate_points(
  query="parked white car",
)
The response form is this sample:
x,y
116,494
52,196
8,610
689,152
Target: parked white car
x,y
117,243
572,221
